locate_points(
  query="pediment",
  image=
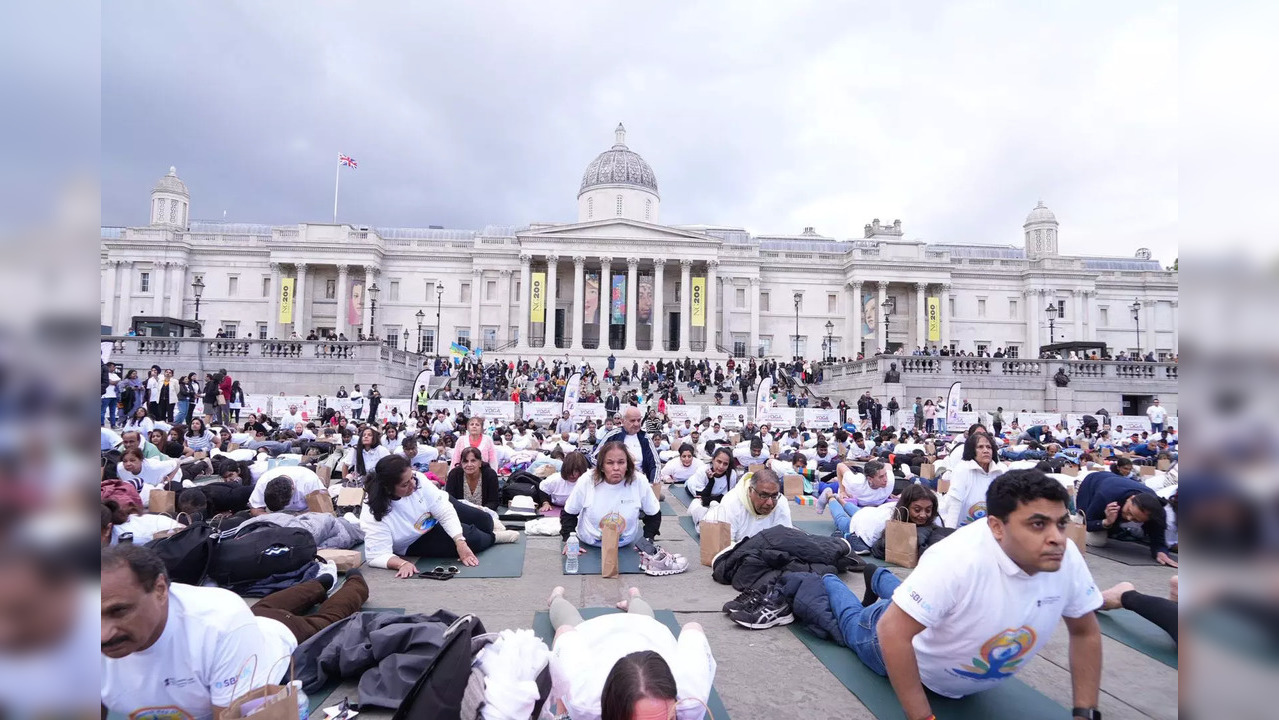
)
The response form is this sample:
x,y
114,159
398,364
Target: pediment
x,y
617,230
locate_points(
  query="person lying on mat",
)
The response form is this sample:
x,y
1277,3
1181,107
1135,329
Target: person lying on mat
x,y
871,489
709,486
405,514
965,502
981,604
554,490
752,505
175,650
474,481
865,528
304,481
1160,611
628,666
756,455
680,469
1125,509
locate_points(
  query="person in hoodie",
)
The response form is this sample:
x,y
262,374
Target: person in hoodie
x,y
753,505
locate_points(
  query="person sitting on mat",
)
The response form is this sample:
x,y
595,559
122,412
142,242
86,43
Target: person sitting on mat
x,y
865,528
965,502
474,481
680,469
175,650
872,489
1160,611
981,604
362,458
628,666
709,486
554,490
404,514
1124,509
475,438
753,505
617,488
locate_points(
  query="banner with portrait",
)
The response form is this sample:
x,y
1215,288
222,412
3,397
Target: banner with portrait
x,y
572,390
537,297
591,305
617,300
870,320
644,303
355,308
699,302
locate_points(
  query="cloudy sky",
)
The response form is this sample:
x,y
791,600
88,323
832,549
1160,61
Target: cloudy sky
x,y
955,117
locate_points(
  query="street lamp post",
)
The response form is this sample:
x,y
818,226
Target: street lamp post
x,y
406,339
1052,319
420,315
439,300
830,352
1136,316
197,287
373,291
883,318
798,299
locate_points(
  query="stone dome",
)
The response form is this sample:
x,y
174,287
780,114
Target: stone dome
x,y
619,165
1041,214
171,184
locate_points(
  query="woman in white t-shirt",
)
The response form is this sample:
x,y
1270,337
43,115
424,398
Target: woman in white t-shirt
x,y
132,468
132,525
368,451
965,502
709,486
917,504
140,421
556,489
613,488
406,515
628,665
680,469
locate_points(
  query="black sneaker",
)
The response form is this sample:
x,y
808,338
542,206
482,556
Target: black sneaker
x,y
770,611
746,599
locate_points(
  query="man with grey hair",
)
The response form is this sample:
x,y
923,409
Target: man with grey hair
x,y
631,433
752,505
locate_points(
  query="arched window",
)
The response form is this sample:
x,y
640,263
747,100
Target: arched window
x,y
590,208
619,205
648,209
159,210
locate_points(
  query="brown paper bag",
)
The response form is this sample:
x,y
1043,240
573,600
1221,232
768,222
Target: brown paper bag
x,y
608,550
735,438
344,559
1145,470
199,455
319,501
282,705
1077,531
232,446
928,471
754,468
792,486
1085,445
901,543
1105,453
440,469
715,537
162,502
943,486
775,448
1071,470
929,448
1163,464
350,497
325,474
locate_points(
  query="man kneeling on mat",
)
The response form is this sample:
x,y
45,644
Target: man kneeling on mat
x,y
981,605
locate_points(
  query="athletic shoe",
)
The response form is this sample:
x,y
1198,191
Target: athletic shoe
x,y
662,563
506,536
746,599
771,610
328,569
823,500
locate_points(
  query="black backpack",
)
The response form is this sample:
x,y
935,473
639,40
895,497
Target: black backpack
x,y
438,692
258,551
186,553
520,483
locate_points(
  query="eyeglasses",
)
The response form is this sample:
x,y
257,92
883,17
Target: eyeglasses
x,y
766,496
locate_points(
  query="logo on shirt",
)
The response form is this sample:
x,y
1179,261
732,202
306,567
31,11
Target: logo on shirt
x,y
178,682
424,523
1003,652
976,512
169,712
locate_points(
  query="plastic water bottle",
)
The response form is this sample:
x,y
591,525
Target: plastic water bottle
x,y
572,549
304,709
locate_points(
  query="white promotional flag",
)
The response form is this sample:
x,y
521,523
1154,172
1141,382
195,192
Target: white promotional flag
x,y
954,406
763,397
571,391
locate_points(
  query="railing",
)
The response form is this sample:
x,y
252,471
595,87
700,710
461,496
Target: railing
x,y
914,365
251,348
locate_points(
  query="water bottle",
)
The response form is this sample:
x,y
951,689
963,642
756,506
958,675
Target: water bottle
x,y
572,549
304,708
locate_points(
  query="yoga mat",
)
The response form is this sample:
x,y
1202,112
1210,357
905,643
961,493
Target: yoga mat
x,y
667,509
591,561
1128,553
1012,699
542,628
1139,634
686,522
504,560
682,493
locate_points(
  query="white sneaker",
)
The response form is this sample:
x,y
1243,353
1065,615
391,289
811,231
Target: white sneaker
x,y
330,568
351,518
663,563
506,536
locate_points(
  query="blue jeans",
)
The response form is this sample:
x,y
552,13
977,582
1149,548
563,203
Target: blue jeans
x,y
842,514
1156,428
109,406
857,623
821,486
184,412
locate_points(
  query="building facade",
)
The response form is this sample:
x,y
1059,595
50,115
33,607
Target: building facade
x,y
618,281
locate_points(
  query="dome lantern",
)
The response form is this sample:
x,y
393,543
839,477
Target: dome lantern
x,y
1040,232
618,183
170,201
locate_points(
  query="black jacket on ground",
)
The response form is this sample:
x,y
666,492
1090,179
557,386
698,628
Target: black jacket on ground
x,y
757,560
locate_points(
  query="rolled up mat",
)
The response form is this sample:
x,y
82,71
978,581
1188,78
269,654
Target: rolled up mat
x,y
1128,553
1011,699
503,560
591,561
1139,634
542,628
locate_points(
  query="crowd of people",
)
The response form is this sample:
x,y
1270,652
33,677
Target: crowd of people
x,y
992,506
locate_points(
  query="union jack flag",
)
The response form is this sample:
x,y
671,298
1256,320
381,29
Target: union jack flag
x,y
347,160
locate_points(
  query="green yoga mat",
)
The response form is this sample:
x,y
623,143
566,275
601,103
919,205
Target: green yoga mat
x,y
682,493
1012,699
1139,634
591,561
1128,553
504,560
542,628
667,509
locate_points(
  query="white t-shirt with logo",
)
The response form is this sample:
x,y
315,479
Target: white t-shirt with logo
x,y
305,482
407,519
1157,414
984,617
201,659
965,502
591,502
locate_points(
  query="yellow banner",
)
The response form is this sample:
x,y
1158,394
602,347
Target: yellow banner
x,y
537,298
934,319
699,302
286,300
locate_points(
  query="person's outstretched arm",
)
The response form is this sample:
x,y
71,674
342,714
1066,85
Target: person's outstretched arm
x,y
896,630
1085,659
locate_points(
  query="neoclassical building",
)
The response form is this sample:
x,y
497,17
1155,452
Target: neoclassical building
x,y
617,280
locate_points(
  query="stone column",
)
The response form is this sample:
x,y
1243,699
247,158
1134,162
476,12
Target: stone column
x,y
854,322
1033,298
753,350
477,287
632,295
552,298
157,287
526,288
126,300
686,302
712,305
177,287
1078,297
299,302
921,319
606,301
112,268
579,297
1090,301
882,336
1176,333
273,317
344,300
366,315
943,311
659,304
504,298
1148,326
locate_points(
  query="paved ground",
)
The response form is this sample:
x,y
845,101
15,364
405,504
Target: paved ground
x,y
1133,685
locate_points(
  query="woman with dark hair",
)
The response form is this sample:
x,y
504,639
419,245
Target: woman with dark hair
x,y
366,454
709,486
628,666
198,437
965,502
917,504
137,471
391,437
237,400
132,393
210,396
555,490
404,515
680,469
139,420
186,398
930,416
130,524
474,481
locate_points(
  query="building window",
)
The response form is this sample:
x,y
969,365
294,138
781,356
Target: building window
x,y
330,289
1061,309
1012,309
648,209
464,292
514,334
1012,351
393,336
741,298
230,328
262,328
266,286
395,290
464,337
232,285
766,344
1105,316
428,340
518,287
831,301
144,282
590,208
798,345
981,307
488,336
490,289
950,307
677,291
763,302
619,205
739,345
983,348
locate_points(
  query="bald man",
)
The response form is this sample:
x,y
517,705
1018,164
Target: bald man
x,y
631,433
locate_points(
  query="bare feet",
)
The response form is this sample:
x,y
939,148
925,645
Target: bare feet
x,y
1110,599
558,592
1172,588
624,604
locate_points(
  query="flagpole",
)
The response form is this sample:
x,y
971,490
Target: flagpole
x,y
337,175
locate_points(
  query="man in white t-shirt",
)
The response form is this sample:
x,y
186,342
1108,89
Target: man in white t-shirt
x,y
304,480
292,417
715,433
982,603
110,398
1157,414
174,650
